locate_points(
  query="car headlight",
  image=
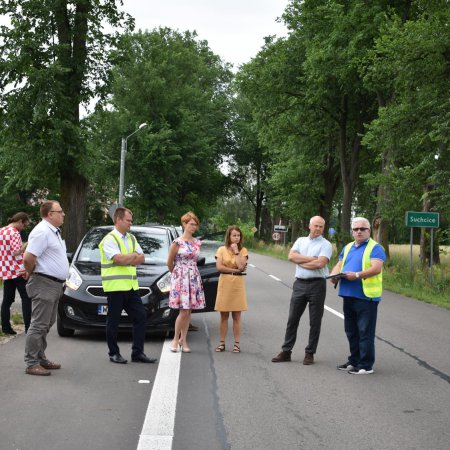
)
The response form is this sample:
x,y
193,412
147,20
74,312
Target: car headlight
x,y
73,280
164,283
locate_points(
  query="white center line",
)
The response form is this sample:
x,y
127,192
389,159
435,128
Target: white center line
x,y
158,429
332,311
274,277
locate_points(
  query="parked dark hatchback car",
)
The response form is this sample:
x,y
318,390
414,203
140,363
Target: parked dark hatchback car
x,y
84,305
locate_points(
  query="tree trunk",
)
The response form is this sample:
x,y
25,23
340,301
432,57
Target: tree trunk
x,y
73,200
380,232
258,212
381,225
266,225
331,180
349,162
425,234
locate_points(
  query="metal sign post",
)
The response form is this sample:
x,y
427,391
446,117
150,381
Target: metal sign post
x,y
280,229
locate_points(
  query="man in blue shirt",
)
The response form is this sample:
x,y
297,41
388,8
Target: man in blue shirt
x,y
361,264
311,255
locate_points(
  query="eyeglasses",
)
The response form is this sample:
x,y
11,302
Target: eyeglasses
x,y
360,229
54,210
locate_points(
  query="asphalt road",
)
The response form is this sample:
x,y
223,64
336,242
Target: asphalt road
x,y
243,401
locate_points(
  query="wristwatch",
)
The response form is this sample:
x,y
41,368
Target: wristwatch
x,y
356,274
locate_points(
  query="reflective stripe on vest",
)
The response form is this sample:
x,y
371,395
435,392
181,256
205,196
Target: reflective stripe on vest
x,y
116,277
373,286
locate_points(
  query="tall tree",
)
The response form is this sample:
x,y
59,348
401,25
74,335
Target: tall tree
x,y
337,36
248,163
409,66
173,82
55,58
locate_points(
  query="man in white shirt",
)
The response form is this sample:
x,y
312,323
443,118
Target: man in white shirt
x,y
311,255
47,267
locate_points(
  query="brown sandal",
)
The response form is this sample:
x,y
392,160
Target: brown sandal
x,y
37,370
236,348
221,347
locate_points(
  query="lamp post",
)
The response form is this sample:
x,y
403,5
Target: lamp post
x,y
123,154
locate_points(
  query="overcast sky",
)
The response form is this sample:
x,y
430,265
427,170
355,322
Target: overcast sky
x,y
234,29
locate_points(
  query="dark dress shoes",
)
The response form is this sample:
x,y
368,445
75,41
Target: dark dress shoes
x,y
143,358
117,358
282,357
9,331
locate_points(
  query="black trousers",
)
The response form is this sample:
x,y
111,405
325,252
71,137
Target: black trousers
x,y
9,294
306,292
131,302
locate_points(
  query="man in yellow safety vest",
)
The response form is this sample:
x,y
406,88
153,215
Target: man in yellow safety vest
x,y
359,269
120,254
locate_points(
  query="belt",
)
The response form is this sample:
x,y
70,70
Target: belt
x,y
237,274
49,277
310,279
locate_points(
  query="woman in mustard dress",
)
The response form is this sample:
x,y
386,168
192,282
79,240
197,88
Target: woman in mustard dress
x,y
231,262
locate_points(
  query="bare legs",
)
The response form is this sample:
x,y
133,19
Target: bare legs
x,y
223,327
181,329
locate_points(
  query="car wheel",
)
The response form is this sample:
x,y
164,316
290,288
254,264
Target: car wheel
x,y
62,331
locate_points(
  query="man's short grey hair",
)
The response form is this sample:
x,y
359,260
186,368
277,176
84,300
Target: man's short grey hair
x,y
361,219
315,217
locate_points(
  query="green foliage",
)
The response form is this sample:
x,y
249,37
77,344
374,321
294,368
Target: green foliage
x,y
358,97
49,67
409,67
229,211
173,82
55,57
16,318
398,278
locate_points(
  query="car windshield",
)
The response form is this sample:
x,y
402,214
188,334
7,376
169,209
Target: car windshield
x,y
155,246
209,250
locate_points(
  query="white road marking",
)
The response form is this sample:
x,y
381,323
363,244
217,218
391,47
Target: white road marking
x,y
332,311
157,431
251,265
274,277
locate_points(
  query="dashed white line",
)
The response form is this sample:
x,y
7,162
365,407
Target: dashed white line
x,y
274,277
158,429
332,311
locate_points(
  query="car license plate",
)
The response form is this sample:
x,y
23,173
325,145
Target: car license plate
x,y
103,310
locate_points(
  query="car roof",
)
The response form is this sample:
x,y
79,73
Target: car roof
x,y
156,229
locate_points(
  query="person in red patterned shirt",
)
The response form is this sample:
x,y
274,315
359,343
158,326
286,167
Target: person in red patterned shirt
x,y
12,271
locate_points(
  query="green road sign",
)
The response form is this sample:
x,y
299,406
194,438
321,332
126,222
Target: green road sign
x,y
422,219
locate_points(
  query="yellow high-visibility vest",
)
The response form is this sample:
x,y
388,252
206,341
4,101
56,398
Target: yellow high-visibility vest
x,y
373,286
114,277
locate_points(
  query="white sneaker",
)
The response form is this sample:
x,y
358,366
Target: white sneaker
x,y
357,371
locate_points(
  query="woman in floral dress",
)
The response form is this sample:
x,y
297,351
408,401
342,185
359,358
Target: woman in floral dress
x,y
186,290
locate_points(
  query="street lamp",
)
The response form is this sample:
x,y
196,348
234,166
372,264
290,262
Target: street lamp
x,y
123,154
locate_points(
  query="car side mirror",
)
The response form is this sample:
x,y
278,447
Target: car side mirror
x,y
201,261
69,256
